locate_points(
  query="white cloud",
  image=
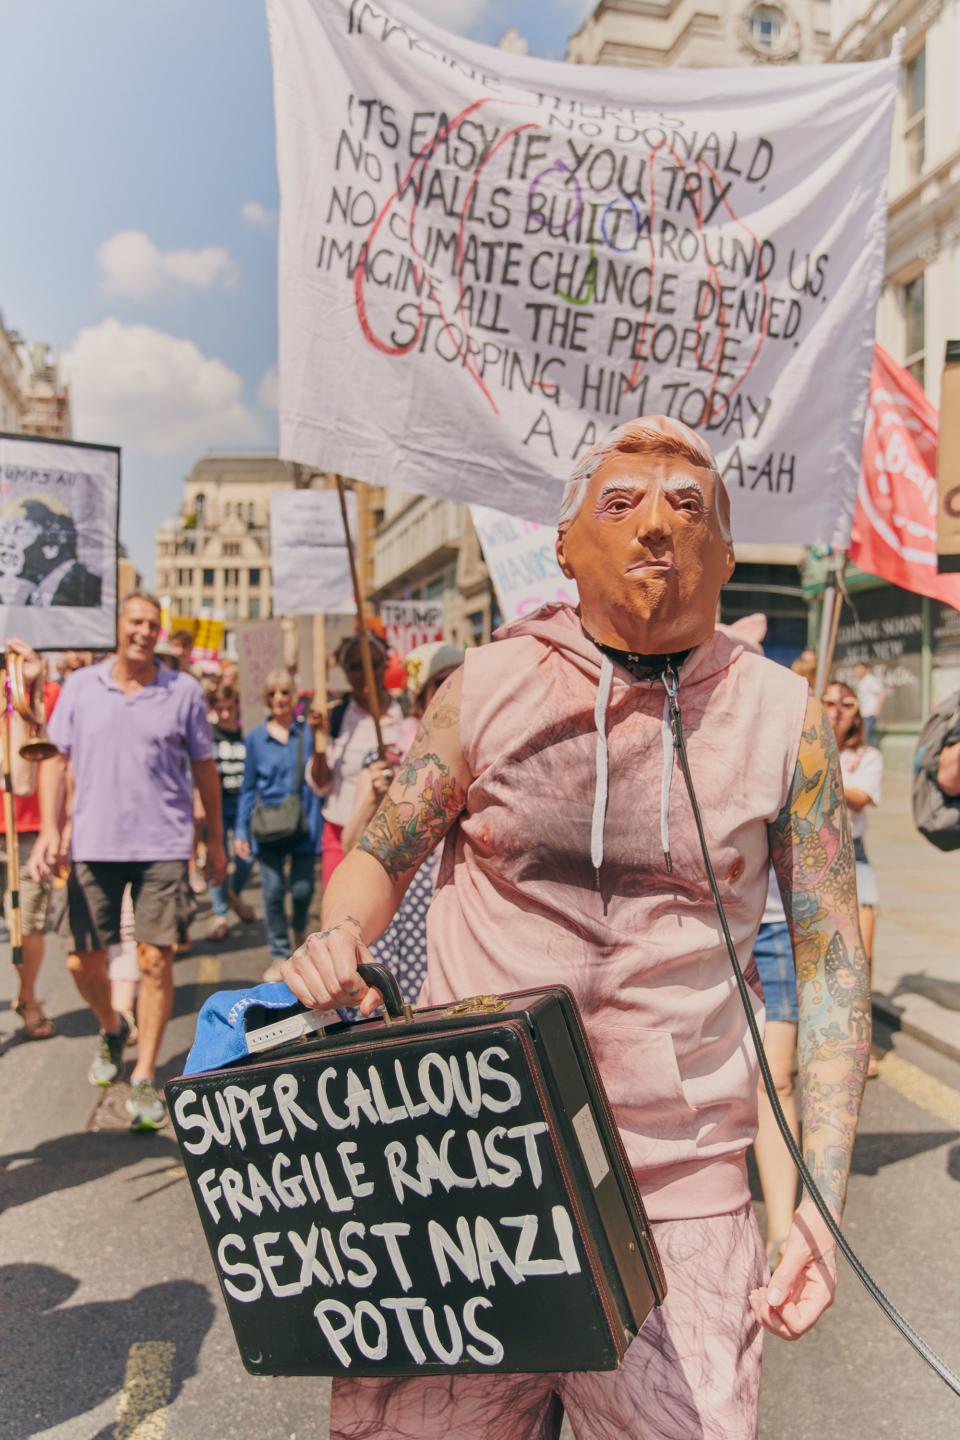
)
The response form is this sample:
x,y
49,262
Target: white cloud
x,y
256,214
267,390
133,266
136,386
512,41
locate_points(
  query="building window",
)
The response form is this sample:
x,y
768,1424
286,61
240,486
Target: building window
x,y
231,547
254,576
915,126
199,508
914,333
253,608
766,27
231,577
208,577
251,515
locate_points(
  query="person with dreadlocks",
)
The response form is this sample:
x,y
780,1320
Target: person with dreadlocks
x,y
548,764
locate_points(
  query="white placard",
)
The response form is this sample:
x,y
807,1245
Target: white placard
x,y
521,557
259,650
488,261
409,623
311,568
59,518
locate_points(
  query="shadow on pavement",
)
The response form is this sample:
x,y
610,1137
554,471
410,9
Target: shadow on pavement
x,y
872,1153
945,993
41,1333
72,1160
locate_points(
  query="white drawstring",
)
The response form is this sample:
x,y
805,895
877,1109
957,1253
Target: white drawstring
x,y
666,733
602,785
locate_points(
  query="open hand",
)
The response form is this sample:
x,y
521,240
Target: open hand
x,y
805,1281
48,856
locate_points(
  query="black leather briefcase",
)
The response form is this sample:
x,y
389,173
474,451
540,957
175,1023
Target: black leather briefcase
x,y
441,1191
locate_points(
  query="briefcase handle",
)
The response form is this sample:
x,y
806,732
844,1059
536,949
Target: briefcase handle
x,y
384,980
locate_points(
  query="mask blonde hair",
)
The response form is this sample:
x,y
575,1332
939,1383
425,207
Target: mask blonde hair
x,y
651,435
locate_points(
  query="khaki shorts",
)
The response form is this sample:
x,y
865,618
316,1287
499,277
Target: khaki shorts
x,y
34,898
163,903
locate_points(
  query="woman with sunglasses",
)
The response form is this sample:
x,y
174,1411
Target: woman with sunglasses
x,y
274,771
334,773
862,767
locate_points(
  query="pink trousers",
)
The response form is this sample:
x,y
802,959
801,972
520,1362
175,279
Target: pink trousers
x,y
331,849
693,1372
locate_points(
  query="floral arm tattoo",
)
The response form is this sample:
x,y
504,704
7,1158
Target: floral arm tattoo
x,y
427,793
812,853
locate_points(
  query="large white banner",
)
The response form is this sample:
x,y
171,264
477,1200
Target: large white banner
x,y
522,560
488,261
59,518
311,567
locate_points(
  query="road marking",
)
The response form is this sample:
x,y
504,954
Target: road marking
x,y
924,1090
209,970
142,1412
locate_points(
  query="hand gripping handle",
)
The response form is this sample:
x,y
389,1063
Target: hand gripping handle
x,y
384,980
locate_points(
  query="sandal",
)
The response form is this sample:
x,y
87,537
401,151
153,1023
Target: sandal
x,y
218,928
36,1025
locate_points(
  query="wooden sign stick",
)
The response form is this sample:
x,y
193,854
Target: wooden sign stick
x,y
9,815
373,695
320,681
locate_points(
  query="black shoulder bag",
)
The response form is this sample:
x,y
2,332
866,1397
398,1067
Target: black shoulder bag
x,y
282,824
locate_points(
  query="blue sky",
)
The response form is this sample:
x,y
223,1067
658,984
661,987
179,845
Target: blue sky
x,y
139,233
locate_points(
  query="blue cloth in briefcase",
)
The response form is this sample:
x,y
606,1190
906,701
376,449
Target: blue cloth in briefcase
x,y
436,1191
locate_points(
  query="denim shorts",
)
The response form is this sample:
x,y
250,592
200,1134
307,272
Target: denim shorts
x,y
773,953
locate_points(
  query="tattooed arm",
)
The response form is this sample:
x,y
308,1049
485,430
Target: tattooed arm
x,y
424,800
812,853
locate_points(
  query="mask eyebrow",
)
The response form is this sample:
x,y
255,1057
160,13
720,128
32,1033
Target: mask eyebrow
x,y
675,485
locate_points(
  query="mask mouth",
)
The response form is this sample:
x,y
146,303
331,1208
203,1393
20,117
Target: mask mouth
x,y
665,564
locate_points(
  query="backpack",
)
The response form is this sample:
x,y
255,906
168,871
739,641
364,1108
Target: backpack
x,y
936,816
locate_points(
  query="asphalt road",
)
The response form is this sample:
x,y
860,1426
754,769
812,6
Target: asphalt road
x,y
111,1325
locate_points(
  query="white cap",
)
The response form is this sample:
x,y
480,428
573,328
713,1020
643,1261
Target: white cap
x,y
426,662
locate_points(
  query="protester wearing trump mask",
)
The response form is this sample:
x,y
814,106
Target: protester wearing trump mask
x,y
548,763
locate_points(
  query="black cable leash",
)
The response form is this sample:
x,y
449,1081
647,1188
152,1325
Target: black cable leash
x,y
926,1352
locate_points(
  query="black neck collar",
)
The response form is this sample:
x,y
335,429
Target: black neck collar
x,y
641,667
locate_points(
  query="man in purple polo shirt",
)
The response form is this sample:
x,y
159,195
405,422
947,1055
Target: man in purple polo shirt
x,y
132,732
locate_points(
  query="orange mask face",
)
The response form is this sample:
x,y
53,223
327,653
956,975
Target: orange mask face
x,y
648,552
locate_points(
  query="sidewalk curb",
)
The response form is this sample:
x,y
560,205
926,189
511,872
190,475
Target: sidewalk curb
x,y
892,1016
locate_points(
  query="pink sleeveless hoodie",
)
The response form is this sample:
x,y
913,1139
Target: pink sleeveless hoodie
x,y
556,874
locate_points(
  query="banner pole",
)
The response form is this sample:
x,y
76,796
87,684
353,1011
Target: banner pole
x,y
829,622
373,695
320,681
9,815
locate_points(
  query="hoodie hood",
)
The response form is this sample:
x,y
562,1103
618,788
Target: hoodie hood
x,y
558,626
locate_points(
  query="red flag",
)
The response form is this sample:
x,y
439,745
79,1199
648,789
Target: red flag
x,y
895,523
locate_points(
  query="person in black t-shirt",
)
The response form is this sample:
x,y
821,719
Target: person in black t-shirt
x,y
230,754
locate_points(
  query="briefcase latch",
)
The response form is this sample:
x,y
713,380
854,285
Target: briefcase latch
x,y
478,1005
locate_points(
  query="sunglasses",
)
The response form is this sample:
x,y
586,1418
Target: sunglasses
x,y
271,693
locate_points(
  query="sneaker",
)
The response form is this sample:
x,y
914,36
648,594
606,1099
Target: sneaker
x,y
108,1061
145,1107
